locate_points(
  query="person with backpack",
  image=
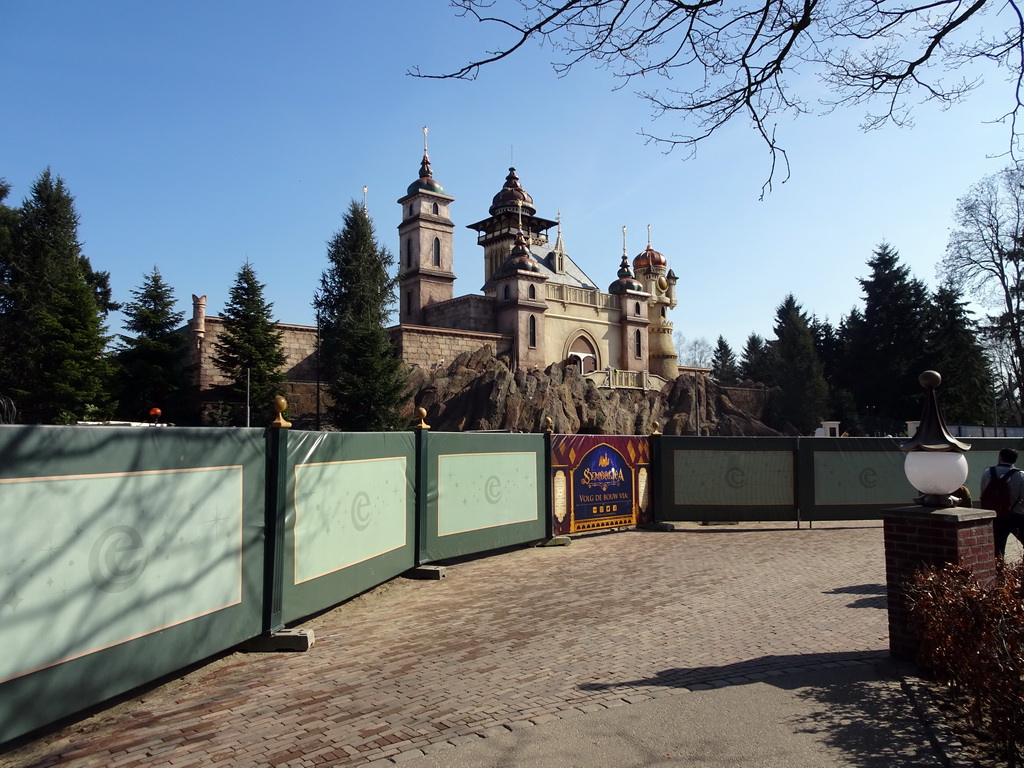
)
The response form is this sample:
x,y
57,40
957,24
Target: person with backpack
x,y
1002,490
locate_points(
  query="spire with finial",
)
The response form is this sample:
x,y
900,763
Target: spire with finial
x,y
626,282
559,257
648,235
364,197
426,177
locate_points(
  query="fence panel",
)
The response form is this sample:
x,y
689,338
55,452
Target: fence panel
x,y
851,478
725,478
483,491
128,554
350,520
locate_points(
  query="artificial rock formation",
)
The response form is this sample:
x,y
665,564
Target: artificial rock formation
x,y
478,391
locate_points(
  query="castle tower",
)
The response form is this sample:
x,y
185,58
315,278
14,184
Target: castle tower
x,y
511,211
633,318
660,282
425,237
521,304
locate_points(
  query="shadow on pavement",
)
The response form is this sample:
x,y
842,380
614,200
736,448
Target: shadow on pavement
x,y
877,592
855,704
772,669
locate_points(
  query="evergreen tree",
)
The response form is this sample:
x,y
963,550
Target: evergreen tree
x,y
831,347
249,352
52,337
152,369
363,370
724,369
755,363
954,351
886,344
803,399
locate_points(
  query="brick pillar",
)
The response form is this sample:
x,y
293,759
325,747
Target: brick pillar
x,y
919,536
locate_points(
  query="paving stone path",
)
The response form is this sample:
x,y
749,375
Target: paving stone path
x,y
511,641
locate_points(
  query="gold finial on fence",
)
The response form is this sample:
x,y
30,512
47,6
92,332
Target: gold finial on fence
x,y
549,424
422,412
279,405
656,428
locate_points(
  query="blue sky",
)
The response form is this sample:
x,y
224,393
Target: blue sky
x,y
198,135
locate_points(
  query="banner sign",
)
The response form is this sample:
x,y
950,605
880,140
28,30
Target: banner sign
x,y
599,481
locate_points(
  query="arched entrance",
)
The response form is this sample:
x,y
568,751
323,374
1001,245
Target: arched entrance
x,y
584,352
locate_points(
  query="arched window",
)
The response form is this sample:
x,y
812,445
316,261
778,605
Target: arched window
x,y
636,309
507,293
533,331
663,314
638,343
437,252
408,251
435,209
533,292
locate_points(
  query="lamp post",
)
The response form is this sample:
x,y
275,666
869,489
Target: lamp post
x,y
935,463
937,530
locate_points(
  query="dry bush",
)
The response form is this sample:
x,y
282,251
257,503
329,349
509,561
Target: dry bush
x,y
972,639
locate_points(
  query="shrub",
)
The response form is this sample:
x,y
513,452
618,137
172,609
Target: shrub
x,y
972,639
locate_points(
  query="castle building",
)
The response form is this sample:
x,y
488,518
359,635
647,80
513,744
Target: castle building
x,y
537,306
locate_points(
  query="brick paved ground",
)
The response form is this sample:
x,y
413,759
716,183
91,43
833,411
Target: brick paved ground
x,y
510,641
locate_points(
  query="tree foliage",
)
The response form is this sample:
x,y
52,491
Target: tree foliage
x,y
357,358
724,368
803,398
248,351
52,310
886,344
713,62
985,257
755,361
954,350
151,359
697,353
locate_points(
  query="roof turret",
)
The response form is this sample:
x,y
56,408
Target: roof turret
x,y
626,282
512,197
426,180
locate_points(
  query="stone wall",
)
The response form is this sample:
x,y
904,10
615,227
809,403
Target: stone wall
x,y
466,313
298,342
432,347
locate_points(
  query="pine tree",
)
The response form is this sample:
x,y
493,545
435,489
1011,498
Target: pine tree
x,y
755,363
364,373
249,352
723,364
152,368
886,344
52,308
797,370
954,351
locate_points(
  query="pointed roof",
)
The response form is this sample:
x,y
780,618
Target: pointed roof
x,y
512,197
626,282
520,259
425,182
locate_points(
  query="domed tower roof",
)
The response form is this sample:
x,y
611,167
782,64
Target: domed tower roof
x,y
625,281
426,180
649,258
512,197
519,260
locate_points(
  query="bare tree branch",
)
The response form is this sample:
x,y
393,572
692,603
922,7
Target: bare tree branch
x,y
723,60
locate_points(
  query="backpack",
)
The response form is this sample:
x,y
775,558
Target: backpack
x,y
996,495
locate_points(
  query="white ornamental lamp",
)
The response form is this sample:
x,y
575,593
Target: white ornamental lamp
x,y
935,464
